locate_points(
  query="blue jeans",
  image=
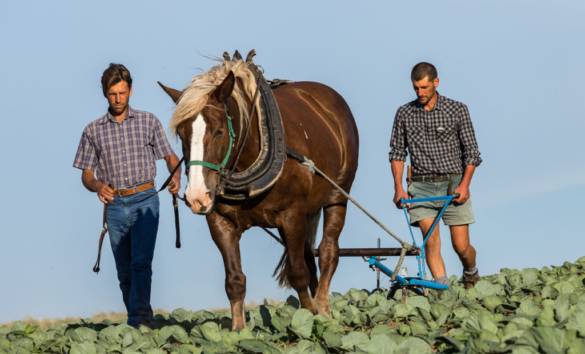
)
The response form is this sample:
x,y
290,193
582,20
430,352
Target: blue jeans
x,y
133,230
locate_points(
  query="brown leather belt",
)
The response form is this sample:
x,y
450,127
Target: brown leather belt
x,y
134,189
436,178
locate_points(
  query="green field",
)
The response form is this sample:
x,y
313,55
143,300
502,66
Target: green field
x,y
521,312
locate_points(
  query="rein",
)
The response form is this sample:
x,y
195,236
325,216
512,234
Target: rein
x,y
165,185
96,267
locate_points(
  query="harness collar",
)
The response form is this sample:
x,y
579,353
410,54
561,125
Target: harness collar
x,y
269,165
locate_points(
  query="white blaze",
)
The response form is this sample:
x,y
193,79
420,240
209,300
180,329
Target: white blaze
x,y
196,186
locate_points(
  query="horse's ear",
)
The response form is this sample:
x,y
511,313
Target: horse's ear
x,y
224,90
175,94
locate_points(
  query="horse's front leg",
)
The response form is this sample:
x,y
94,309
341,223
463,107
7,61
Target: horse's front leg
x,y
227,239
294,229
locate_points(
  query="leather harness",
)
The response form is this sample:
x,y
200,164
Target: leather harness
x,y
269,165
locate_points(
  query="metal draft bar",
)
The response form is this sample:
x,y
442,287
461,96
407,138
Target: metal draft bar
x,y
373,252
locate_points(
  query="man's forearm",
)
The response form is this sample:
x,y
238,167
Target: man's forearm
x,y
172,162
397,170
467,175
89,181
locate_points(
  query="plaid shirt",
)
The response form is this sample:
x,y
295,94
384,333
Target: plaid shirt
x,y
124,153
440,141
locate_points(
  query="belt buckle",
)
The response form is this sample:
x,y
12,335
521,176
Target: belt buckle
x,y
123,189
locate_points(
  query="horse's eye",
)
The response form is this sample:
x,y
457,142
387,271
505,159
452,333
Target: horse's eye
x,y
218,133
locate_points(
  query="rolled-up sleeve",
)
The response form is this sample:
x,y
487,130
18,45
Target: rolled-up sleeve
x,y
159,141
86,158
398,142
467,137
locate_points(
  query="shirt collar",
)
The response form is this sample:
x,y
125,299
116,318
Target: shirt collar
x,y
129,115
438,105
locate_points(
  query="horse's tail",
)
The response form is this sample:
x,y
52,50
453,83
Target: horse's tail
x,y
283,266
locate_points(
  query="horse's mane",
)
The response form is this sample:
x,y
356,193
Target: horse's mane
x,y
197,91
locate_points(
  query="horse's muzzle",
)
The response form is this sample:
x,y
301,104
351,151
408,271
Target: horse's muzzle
x,y
198,208
206,210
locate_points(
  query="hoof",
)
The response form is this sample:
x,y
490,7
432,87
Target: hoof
x,y
323,308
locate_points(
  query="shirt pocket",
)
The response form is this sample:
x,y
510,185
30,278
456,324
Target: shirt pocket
x,y
447,134
110,149
415,135
141,138
140,143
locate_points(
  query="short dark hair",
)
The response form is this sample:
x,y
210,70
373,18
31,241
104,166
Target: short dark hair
x,y
113,75
422,70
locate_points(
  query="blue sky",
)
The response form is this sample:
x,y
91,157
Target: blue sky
x,y
516,64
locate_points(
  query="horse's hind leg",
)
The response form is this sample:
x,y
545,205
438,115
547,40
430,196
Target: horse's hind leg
x,y
227,240
334,220
311,235
312,266
299,276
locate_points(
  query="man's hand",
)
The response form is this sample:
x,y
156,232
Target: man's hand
x,y
463,190
400,194
105,193
175,185
172,162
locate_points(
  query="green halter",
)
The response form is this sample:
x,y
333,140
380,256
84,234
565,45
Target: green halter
x,y
217,168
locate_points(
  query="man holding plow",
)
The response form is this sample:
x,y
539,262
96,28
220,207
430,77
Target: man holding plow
x,y
444,154
120,148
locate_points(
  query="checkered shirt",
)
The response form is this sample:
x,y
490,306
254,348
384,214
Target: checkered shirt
x,y
124,153
439,141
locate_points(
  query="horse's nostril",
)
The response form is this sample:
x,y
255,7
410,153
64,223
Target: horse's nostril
x,y
203,209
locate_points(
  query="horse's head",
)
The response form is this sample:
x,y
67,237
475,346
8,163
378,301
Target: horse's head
x,y
205,138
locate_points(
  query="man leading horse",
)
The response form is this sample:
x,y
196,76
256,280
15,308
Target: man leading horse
x,y
120,149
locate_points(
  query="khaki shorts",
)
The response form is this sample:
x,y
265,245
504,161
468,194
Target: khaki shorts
x,y
455,214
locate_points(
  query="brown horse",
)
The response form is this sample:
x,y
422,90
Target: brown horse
x,y
317,123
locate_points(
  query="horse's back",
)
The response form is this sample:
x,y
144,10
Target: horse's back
x,y
316,94
319,124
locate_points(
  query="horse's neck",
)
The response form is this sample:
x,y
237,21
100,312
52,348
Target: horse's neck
x,y
251,147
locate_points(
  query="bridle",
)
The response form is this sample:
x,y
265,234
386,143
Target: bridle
x,y
224,175
219,168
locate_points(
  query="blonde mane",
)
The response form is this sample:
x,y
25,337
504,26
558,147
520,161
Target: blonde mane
x,y
197,91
